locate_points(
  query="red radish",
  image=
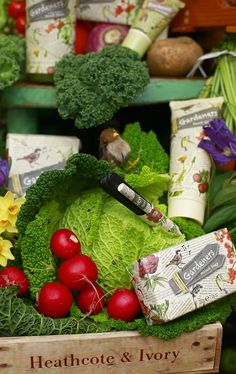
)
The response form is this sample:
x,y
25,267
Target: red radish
x,y
54,300
11,276
91,300
21,24
77,272
64,244
16,8
123,304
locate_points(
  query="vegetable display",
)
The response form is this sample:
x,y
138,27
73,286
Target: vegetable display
x,y
91,88
19,318
109,234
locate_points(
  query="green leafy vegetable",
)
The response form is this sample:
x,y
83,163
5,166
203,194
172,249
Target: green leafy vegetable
x,y
40,265
83,216
18,318
190,228
221,205
121,239
146,150
12,59
91,88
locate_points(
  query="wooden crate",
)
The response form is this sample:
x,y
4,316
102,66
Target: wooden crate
x,y
118,352
204,14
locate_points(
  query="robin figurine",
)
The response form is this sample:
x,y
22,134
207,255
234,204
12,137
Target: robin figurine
x,y
113,148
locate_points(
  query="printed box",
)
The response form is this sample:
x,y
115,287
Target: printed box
x,y
185,277
111,11
31,154
124,352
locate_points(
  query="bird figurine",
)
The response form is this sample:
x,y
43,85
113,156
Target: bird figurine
x,y
31,157
113,148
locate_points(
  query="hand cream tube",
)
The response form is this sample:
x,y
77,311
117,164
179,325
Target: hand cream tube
x,y
190,166
152,18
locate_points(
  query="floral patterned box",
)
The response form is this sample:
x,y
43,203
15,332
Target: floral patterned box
x,y
111,11
185,277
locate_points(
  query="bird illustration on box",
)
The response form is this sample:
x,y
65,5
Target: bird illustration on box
x,y
113,148
31,157
176,259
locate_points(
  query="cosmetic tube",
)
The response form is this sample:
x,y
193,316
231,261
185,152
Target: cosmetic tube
x,y
190,166
152,18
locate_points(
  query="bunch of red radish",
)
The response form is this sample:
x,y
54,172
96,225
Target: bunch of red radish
x,y
17,11
77,275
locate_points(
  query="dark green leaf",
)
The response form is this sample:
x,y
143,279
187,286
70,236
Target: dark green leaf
x,y
221,217
225,196
216,185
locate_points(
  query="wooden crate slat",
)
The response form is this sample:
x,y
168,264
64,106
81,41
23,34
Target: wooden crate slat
x,y
115,352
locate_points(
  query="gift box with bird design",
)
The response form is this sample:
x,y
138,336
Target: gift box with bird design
x,y
31,154
185,277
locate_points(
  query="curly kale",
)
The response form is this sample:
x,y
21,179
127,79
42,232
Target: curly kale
x,y
38,261
190,228
12,59
18,318
146,150
91,88
81,171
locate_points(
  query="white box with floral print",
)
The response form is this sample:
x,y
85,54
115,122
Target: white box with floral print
x,y
185,277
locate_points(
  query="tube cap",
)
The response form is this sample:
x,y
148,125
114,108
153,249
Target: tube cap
x,y
137,41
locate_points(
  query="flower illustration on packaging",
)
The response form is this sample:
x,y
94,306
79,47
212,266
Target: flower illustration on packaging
x,y
148,265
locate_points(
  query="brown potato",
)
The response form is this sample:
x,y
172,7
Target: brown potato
x,y
173,57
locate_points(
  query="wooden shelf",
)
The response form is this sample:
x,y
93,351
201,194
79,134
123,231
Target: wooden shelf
x,y
159,90
23,100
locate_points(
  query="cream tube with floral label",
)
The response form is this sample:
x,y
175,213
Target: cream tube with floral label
x,y
152,18
50,33
190,166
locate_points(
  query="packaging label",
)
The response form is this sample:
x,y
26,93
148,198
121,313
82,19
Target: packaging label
x,y
202,265
200,118
50,33
48,9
